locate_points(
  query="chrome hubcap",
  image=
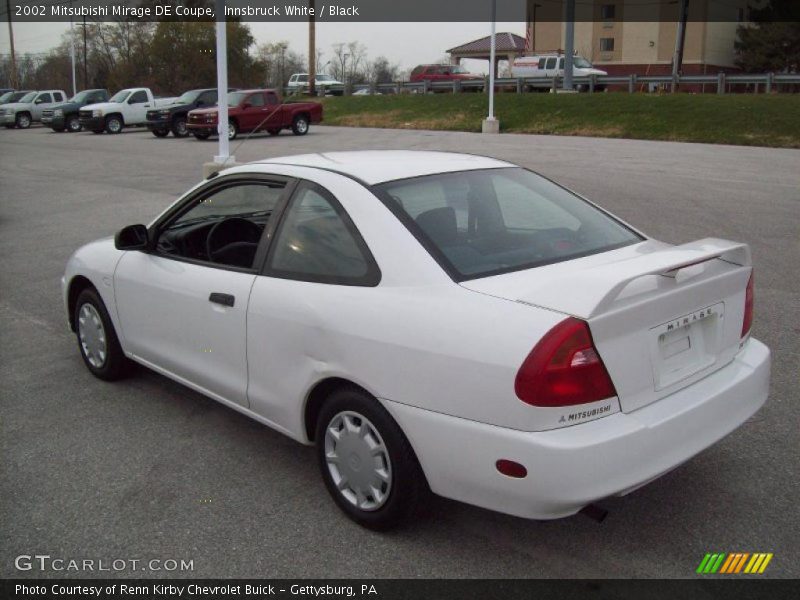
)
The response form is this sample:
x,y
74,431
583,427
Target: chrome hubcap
x,y
358,461
92,335
74,124
180,127
302,126
114,125
231,131
24,121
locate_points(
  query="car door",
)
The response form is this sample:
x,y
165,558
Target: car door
x,y
183,310
318,266
42,101
137,107
252,112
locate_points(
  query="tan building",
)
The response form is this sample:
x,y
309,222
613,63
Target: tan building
x,y
608,34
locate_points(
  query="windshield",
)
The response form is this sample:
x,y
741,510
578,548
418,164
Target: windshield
x,y
235,98
5,97
120,96
27,97
491,221
188,97
80,96
324,78
581,63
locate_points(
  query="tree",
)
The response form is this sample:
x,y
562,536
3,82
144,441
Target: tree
x,y
278,62
772,41
381,71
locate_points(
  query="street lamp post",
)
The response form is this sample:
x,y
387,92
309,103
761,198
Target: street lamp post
x,y
222,87
490,124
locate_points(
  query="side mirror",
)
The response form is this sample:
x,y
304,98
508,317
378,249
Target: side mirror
x,y
132,237
38,101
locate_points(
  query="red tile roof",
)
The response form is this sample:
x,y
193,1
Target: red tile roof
x,y
504,42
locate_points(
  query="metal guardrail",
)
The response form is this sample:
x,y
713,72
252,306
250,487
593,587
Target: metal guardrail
x,y
593,83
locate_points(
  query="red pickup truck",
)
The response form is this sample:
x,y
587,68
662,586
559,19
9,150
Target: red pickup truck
x,y
256,110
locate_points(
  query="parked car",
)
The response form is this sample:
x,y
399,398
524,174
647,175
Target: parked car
x,y
12,96
437,73
126,108
64,116
173,116
298,82
548,66
432,321
256,110
28,109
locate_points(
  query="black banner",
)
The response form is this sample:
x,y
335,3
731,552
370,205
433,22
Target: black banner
x,y
401,10
753,588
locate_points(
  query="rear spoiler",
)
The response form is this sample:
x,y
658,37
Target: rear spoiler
x,y
597,288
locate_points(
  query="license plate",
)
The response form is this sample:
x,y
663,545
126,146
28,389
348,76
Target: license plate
x,y
686,345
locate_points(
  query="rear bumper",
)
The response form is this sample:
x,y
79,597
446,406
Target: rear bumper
x,y
571,467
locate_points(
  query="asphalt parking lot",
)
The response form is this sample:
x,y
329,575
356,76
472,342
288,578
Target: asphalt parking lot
x,y
145,468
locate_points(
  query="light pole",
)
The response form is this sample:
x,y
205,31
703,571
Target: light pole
x,y
72,51
490,124
569,44
222,87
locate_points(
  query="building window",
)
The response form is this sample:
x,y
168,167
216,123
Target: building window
x,y
608,12
606,44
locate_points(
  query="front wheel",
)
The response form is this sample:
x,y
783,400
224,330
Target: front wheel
x,y
233,130
97,339
114,124
300,125
23,120
161,132
74,124
367,464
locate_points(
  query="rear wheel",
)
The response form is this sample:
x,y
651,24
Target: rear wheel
x,y
233,130
97,339
23,120
161,132
114,124
202,135
367,464
74,124
300,125
179,127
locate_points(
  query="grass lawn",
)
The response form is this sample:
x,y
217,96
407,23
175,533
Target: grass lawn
x,y
751,120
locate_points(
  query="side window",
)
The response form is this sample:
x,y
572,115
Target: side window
x,y
208,98
272,99
551,63
541,62
223,226
256,100
302,78
318,242
561,63
44,98
138,97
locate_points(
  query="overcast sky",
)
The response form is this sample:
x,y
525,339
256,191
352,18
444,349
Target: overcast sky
x,y
407,44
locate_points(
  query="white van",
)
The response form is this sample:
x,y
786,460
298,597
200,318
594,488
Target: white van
x,y
547,66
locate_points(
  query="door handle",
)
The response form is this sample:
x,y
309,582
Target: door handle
x,y
223,299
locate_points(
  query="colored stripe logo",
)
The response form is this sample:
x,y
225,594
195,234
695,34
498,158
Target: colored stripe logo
x,y
734,562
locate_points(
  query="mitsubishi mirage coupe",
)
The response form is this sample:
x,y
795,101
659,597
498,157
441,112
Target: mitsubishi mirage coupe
x,y
432,322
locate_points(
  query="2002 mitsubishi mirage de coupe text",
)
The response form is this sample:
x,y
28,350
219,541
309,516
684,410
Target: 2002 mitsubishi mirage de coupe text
x,y
432,322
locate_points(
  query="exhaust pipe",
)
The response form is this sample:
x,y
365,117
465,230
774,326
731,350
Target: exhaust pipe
x,y
594,512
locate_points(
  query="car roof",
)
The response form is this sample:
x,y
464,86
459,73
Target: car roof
x,y
379,166
255,90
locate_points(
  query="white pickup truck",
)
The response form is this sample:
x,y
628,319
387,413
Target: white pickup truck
x,y
126,108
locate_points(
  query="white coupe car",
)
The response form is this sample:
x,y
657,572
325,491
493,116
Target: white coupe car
x,y
432,322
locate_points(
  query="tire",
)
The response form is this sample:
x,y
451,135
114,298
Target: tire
x,y
179,127
114,124
233,130
97,340
274,131
161,132
74,124
202,135
23,120
399,475
300,125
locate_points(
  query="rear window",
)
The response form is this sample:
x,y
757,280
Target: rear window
x,y
492,221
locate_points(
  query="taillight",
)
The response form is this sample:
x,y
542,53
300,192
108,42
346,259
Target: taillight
x,y
748,307
564,368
